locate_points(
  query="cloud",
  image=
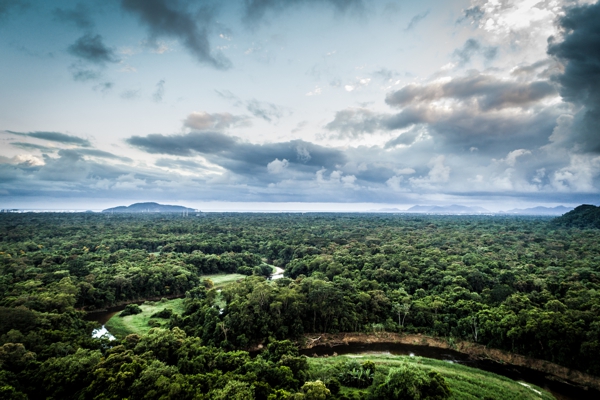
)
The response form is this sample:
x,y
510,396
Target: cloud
x,y
530,69
406,138
82,73
358,83
203,121
354,122
438,173
473,47
487,91
255,10
229,96
158,94
91,48
100,154
477,111
104,86
416,19
130,94
385,74
237,156
276,166
80,152
475,14
31,146
25,161
581,175
172,19
260,109
511,158
181,164
264,110
580,81
78,16
183,145
55,137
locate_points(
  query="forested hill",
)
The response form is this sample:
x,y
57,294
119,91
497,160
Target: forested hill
x,y
584,216
148,208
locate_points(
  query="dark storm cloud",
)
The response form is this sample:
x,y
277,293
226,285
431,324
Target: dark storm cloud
x,y
580,81
473,47
235,155
173,19
78,16
55,137
255,10
489,92
416,19
91,48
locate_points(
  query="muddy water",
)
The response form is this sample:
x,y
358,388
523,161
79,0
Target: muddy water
x,y
559,388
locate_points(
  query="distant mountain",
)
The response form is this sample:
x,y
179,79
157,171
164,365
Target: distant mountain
x,y
148,208
420,209
453,209
539,210
583,216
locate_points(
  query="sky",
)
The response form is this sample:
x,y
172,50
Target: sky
x,y
337,105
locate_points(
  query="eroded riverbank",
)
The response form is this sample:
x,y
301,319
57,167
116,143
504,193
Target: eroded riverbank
x,y
558,379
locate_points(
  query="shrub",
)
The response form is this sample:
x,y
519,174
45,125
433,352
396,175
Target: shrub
x,y
130,309
154,323
408,382
333,385
356,375
164,313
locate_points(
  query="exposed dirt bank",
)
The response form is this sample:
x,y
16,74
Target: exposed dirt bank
x,y
473,350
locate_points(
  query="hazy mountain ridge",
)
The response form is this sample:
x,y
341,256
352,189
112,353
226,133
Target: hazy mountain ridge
x,y
539,210
452,209
149,207
460,209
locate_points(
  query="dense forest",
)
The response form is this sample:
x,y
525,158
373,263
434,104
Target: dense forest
x,y
530,285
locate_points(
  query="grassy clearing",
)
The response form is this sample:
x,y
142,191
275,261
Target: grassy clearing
x,y
221,280
121,327
465,382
